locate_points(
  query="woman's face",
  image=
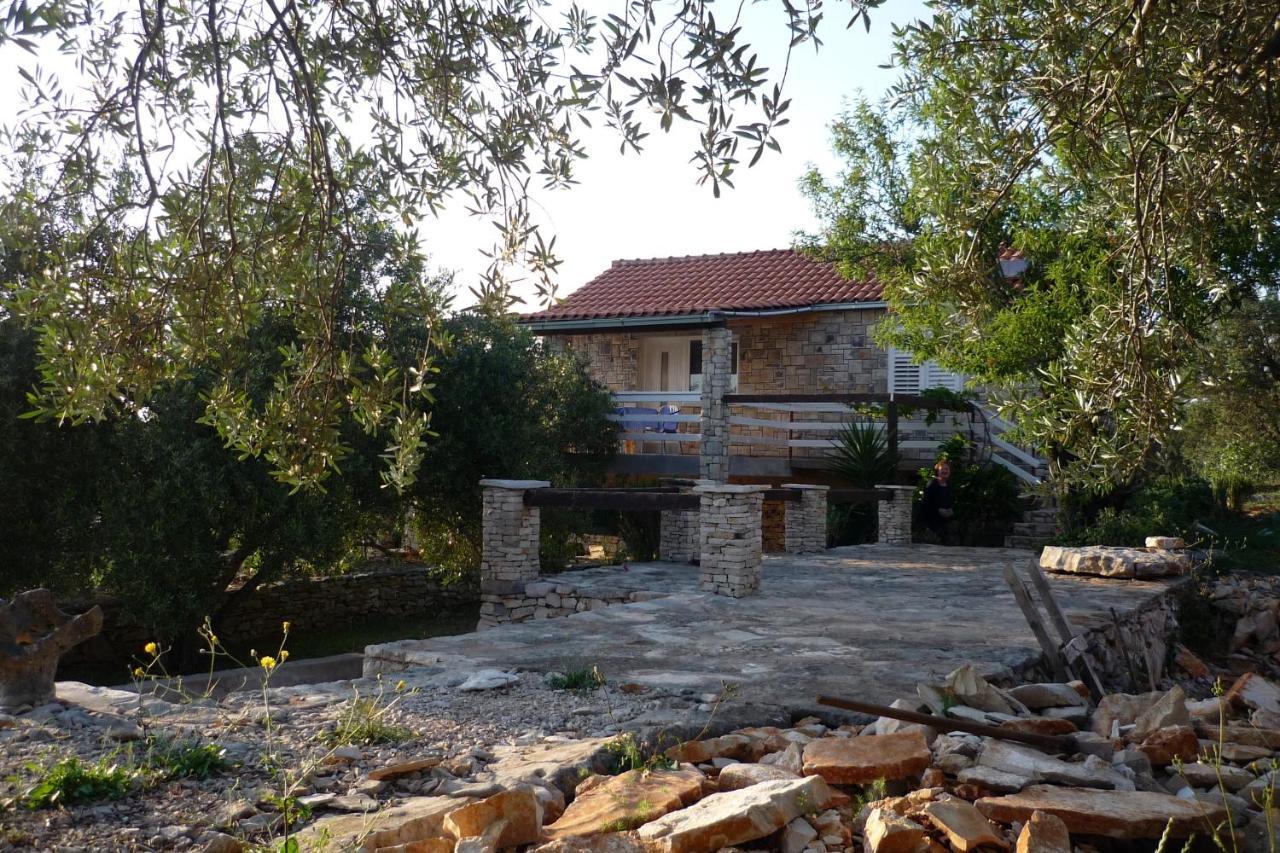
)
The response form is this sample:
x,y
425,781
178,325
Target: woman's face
x,y
944,471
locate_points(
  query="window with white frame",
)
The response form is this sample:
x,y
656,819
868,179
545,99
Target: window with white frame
x,y
907,377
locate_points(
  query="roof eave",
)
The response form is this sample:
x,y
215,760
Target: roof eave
x,y
704,318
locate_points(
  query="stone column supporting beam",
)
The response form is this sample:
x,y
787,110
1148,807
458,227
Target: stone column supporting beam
x,y
678,531
509,543
806,519
729,531
717,368
895,516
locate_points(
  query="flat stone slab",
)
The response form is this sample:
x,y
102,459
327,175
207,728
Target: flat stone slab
x,y
867,621
1109,562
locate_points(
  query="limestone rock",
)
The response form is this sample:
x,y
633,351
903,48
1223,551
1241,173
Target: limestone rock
x,y
1200,775
561,765
1175,742
1253,691
1109,562
996,781
486,842
1038,696
488,679
790,759
964,825
1044,833
735,745
1040,726
1169,710
796,836
426,845
220,842
412,820
972,690
519,807
889,832
1115,814
737,776
1026,762
735,817
404,768
605,842
1166,543
620,803
1121,708
863,760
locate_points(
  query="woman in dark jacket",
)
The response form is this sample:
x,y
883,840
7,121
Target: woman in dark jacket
x,y
938,504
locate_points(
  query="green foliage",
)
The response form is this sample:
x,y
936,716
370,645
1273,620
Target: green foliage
x,y
363,723
1089,136
185,759
1232,433
987,498
851,524
641,533
70,781
862,456
506,407
626,753
1167,506
582,678
161,117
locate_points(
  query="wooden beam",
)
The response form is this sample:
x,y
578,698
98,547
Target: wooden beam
x,y
631,500
910,400
1047,645
851,496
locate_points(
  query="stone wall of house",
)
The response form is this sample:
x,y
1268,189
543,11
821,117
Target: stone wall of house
x,y
825,352
613,358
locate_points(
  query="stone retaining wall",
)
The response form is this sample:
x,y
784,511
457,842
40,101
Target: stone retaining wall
x,y
310,604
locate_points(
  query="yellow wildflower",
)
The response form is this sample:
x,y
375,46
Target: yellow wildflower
x,y
151,649
400,686
285,626
268,663
137,672
284,655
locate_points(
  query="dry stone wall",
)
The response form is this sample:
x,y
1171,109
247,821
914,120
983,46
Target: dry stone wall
x,y
895,516
806,519
732,546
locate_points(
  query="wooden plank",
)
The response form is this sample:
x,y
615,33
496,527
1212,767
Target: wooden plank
x,y
616,499
1047,645
786,495
1066,633
661,436
657,396
655,418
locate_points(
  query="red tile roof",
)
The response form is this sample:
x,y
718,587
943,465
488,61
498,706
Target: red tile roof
x,y
745,281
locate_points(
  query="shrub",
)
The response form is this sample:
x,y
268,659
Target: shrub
x,y
851,524
862,456
583,678
1167,506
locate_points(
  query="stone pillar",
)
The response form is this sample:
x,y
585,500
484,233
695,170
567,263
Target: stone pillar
x,y
806,519
729,532
895,516
678,531
717,368
509,558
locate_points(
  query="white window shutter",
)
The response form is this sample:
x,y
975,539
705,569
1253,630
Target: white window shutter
x,y
904,375
934,376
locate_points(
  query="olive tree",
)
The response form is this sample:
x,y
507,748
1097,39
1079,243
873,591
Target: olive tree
x,y
1125,150
232,136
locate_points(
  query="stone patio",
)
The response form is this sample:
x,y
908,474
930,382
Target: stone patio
x,y
867,622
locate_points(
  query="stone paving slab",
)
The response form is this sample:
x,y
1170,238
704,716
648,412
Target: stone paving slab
x,y
868,622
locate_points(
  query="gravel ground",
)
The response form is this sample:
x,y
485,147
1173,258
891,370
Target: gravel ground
x,y
461,727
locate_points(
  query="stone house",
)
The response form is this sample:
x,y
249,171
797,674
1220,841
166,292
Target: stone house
x,y
670,337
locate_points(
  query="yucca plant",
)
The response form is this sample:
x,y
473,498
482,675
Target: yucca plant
x,y
862,455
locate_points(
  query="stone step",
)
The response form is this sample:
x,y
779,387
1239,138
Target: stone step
x,y
1049,515
1024,528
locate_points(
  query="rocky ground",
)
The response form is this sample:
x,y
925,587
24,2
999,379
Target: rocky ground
x,y
478,761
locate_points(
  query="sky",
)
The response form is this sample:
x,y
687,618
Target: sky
x,y
649,205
